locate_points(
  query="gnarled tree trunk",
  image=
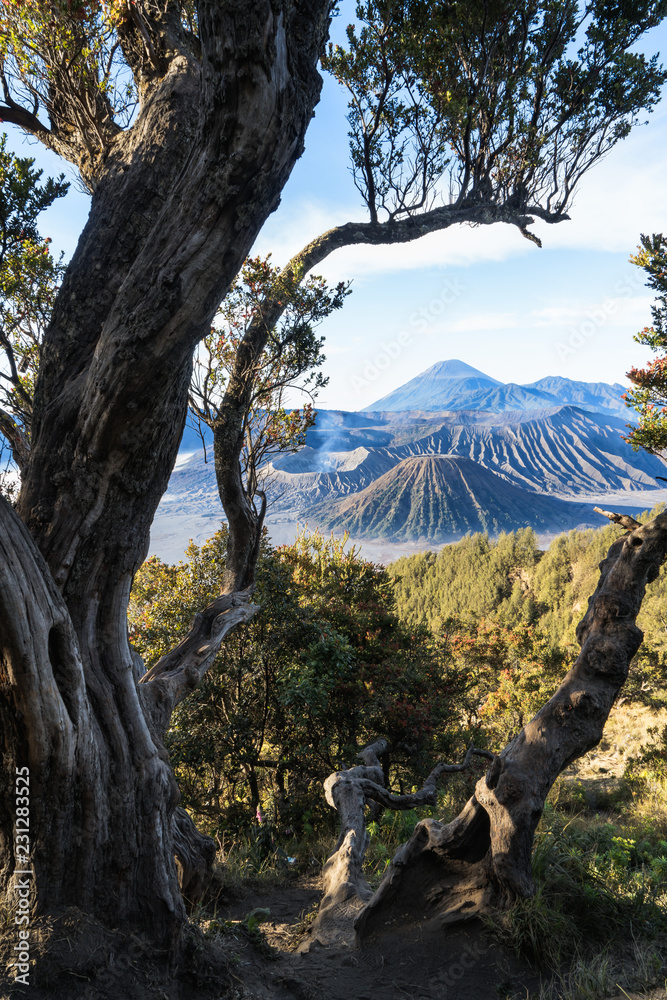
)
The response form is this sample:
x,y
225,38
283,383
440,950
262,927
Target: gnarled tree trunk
x,y
177,203
345,890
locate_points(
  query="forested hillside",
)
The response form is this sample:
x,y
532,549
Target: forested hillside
x,y
325,668
511,581
436,650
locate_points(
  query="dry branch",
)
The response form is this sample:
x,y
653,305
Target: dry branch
x,y
178,672
623,519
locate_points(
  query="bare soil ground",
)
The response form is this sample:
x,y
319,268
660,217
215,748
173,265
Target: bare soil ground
x,y
85,962
417,963
422,962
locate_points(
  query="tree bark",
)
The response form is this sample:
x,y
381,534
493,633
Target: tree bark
x,y
483,858
177,203
195,854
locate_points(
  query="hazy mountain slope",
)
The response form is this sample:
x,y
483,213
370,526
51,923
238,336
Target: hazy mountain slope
x,y
432,472
584,394
562,451
434,388
295,481
503,398
435,498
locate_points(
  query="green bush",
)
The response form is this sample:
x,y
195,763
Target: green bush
x,y
325,668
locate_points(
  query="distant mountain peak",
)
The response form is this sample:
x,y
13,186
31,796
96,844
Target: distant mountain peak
x,y
434,388
455,369
456,385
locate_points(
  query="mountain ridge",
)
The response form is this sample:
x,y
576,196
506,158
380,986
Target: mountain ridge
x,y
456,385
522,457
563,451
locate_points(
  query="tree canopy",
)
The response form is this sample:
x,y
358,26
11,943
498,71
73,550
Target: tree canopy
x,y
29,280
648,395
489,103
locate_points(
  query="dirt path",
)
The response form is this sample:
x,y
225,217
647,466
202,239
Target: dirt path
x,y
421,963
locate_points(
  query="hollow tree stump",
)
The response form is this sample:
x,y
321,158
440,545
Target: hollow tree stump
x,y
345,890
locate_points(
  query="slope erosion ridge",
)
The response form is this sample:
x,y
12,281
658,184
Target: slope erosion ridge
x,y
453,385
434,472
436,498
298,480
565,451
560,450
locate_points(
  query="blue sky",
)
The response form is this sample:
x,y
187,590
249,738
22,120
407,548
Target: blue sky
x,y
485,295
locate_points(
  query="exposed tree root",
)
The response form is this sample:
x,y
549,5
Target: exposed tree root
x,y
442,873
195,854
345,888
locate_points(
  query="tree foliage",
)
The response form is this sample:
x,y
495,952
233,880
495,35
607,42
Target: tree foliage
x,y
324,668
649,393
492,102
29,280
511,670
290,362
68,60
476,573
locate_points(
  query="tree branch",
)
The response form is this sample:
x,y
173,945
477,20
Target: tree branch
x,y
345,888
623,519
17,438
178,672
428,793
484,856
413,227
16,115
195,853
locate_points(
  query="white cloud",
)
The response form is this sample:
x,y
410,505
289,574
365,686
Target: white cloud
x,y
554,315
627,314
614,311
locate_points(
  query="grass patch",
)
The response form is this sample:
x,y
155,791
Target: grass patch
x,y
595,883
